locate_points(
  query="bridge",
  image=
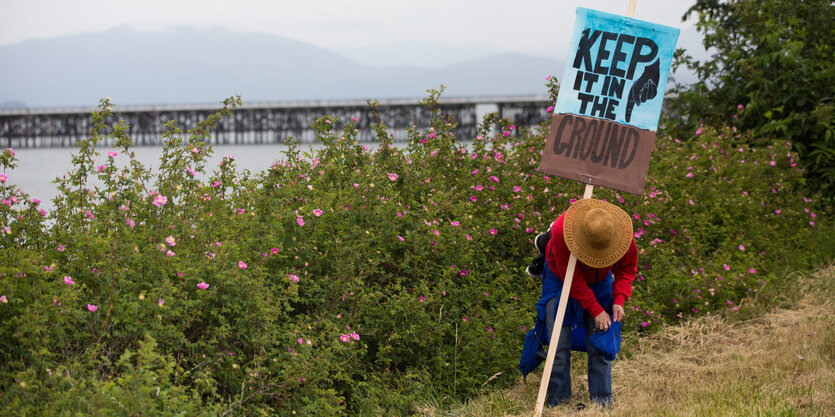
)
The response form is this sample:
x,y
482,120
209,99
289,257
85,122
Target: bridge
x,y
263,123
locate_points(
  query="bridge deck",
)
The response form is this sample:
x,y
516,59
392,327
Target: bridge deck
x,y
263,123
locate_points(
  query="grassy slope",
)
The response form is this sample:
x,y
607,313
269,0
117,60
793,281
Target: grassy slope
x,y
774,357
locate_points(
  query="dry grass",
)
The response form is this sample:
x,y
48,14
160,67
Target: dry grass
x,y
781,363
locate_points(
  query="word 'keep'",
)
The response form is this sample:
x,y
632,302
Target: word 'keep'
x,y
613,51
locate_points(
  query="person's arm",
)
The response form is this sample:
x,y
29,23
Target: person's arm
x,y
624,271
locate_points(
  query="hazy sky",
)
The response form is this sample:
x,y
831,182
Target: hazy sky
x,y
531,26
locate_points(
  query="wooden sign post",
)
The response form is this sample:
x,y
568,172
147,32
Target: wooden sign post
x,y
555,334
603,128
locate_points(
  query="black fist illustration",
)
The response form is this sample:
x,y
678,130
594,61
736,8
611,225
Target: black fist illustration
x,y
644,89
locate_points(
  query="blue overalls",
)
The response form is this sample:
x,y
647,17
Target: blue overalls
x,y
605,344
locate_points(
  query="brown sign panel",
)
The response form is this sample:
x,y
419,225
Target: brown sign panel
x,y
598,151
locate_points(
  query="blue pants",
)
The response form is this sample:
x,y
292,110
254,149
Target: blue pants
x,y
599,368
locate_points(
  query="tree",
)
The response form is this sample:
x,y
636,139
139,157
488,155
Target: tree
x,y
772,71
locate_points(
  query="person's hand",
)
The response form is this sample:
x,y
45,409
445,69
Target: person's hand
x,y
602,321
617,312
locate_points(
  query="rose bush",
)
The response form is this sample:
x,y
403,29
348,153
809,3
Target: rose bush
x,y
359,278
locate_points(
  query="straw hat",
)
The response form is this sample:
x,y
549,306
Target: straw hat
x,y
596,232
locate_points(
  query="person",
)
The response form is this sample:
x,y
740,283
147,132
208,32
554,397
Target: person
x,y
599,235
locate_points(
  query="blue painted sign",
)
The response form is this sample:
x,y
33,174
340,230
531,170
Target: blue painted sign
x,y
617,69
603,129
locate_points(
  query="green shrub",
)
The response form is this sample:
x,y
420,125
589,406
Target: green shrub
x,y
349,280
770,70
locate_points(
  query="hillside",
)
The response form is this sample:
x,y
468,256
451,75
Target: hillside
x,y
773,356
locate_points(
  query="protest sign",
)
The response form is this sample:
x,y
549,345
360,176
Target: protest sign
x,y
604,123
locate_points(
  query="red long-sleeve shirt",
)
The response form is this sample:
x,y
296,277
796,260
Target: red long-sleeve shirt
x,y
557,254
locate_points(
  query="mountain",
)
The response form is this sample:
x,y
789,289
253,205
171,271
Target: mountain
x,y
188,65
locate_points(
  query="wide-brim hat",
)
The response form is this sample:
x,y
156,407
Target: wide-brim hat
x,y
596,232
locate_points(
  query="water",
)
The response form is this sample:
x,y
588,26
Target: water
x,y
38,167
